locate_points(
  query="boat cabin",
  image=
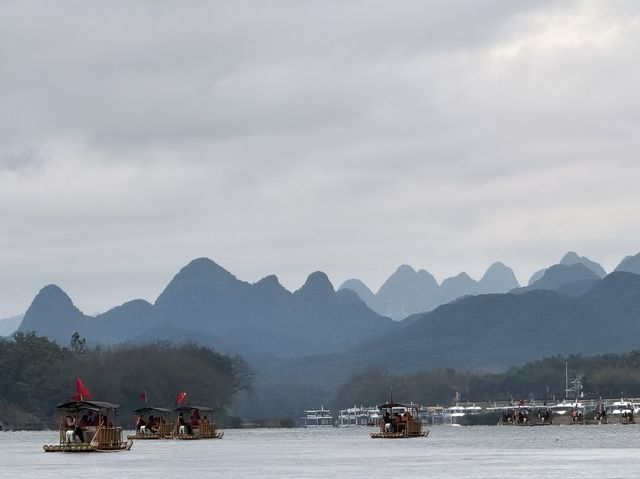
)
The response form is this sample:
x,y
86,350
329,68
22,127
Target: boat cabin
x,y
399,421
195,422
152,423
316,418
88,426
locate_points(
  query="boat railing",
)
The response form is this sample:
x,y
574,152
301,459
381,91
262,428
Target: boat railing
x,y
106,436
165,430
207,430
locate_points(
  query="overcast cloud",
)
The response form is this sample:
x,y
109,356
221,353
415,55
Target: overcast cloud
x,y
287,137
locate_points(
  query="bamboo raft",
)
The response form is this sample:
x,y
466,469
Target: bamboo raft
x,y
397,435
399,422
104,433
199,430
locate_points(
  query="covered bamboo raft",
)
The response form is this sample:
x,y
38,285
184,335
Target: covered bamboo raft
x,y
88,426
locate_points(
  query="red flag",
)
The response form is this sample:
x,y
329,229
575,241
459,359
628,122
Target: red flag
x,y
82,393
181,397
143,396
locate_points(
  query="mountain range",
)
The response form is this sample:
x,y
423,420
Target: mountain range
x,y
407,291
303,344
204,302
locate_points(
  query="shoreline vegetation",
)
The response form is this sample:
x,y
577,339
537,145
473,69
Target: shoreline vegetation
x,y
36,374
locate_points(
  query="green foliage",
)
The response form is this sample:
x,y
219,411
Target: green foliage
x,y
77,344
608,375
36,374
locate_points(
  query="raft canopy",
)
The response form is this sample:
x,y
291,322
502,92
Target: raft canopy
x,y
95,405
192,408
145,410
392,405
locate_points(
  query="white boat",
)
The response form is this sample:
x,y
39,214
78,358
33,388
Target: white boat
x,y
455,414
623,411
359,416
316,418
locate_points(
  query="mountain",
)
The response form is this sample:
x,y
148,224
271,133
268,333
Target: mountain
x,y
496,330
536,276
458,286
572,280
204,302
498,279
361,289
572,258
9,325
53,314
407,291
630,264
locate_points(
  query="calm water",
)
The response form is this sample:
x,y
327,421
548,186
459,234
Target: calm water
x,y
448,452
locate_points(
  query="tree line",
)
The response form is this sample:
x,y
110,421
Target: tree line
x,y
601,376
36,374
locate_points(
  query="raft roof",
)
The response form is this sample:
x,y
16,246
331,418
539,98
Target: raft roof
x,y
141,410
96,405
391,404
189,408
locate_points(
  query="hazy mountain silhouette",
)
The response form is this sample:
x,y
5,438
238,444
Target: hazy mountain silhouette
x,y
497,330
569,259
361,289
536,276
405,292
573,258
408,292
630,264
204,302
498,279
573,280
9,325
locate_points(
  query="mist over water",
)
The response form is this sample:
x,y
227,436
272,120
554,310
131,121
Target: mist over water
x,y
467,452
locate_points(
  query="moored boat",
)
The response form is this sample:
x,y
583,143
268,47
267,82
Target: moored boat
x,y
399,421
358,416
152,423
89,426
195,422
316,418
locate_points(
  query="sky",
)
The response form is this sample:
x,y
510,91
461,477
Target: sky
x,y
287,137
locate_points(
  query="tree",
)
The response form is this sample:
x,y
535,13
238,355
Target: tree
x,y
78,345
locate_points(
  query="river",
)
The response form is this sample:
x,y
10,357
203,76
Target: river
x,y
449,452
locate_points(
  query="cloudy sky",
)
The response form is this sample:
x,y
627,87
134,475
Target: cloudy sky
x,y
286,137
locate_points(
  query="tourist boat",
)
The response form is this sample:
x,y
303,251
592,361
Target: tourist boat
x,y
156,423
526,415
622,412
316,418
459,414
195,422
432,414
89,426
399,421
569,413
358,416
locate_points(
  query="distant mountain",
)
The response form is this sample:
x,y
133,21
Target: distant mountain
x,y
405,292
496,330
408,291
361,289
572,258
205,302
572,280
536,276
458,286
630,264
498,279
9,325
